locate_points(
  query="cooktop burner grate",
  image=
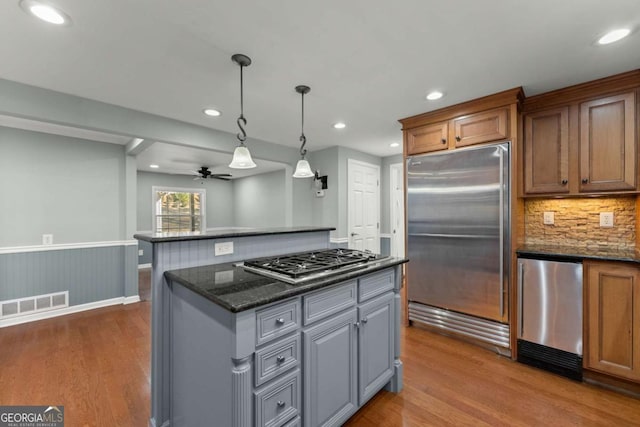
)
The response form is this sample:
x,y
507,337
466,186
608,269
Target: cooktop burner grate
x,y
298,265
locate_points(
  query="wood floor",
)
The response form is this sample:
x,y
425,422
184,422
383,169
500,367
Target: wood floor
x,y
96,364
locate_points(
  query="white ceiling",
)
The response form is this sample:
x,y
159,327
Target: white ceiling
x,y
368,63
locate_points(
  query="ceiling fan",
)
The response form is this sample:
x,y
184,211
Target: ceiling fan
x,y
204,173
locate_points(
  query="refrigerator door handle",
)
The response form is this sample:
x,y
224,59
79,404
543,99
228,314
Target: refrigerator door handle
x,y
501,220
520,298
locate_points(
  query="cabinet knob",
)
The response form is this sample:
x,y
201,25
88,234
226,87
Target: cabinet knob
x,y
444,141
458,138
356,325
365,320
565,182
585,180
280,404
280,359
280,321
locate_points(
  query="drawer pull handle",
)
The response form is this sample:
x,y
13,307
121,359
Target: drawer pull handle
x,y
280,359
280,321
280,404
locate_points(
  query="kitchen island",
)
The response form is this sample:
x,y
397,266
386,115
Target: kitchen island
x,y
215,328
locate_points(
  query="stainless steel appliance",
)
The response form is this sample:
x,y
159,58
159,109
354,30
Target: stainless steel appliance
x,y
305,266
550,315
458,242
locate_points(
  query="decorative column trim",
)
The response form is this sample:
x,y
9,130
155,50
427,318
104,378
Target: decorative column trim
x,y
241,392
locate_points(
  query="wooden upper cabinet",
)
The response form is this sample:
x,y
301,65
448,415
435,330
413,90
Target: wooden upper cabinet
x,y
481,127
427,138
613,319
608,144
546,152
487,119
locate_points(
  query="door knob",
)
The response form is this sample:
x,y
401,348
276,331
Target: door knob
x,y
354,234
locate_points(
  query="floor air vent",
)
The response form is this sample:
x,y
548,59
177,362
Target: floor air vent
x,y
34,304
550,359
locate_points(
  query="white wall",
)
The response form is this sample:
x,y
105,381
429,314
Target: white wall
x,y
71,188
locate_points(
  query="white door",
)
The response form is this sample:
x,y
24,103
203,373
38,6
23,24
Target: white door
x,y
397,209
363,206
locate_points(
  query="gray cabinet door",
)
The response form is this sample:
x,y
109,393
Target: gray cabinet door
x,y
375,345
330,371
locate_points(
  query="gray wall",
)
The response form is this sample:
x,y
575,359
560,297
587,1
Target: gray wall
x,y
219,196
71,188
259,200
331,210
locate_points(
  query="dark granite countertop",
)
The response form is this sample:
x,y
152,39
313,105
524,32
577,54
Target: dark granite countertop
x,y
571,253
235,289
225,232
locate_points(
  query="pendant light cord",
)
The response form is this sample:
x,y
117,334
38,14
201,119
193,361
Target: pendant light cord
x,y
242,135
303,138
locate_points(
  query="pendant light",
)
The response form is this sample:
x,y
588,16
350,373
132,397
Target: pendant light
x,y
303,169
241,155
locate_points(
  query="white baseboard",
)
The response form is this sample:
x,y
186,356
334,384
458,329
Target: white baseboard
x,y
68,310
131,299
142,266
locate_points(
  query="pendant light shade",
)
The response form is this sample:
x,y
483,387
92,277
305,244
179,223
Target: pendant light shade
x,y
242,158
303,168
241,155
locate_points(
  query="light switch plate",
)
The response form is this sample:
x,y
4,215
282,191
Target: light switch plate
x,y
223,248
606,219
140,252
47,239
549,218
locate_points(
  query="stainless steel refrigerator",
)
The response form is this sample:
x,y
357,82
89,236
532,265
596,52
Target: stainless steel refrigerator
x,y
458,242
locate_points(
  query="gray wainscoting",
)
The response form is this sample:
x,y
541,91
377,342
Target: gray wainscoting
x,y
89,274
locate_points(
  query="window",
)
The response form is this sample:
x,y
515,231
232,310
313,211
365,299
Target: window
x,y
178,210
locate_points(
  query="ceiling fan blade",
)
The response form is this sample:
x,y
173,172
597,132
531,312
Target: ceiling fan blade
x,y
223,178
220,174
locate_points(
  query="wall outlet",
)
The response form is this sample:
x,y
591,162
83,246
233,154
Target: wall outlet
x,y
140,252
47,239
606,219
548,218
223,248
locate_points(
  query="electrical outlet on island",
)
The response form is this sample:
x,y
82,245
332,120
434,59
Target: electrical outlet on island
x,y
223,248
606,219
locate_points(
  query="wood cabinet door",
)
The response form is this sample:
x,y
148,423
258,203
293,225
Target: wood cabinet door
x,y
608,144
330,371
375,345
481,127
546,152
427,138
613,319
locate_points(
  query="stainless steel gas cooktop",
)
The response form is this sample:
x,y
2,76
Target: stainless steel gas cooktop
x,y
305,266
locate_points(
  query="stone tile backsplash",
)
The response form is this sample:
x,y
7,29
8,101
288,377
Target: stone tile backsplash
x,y
577,222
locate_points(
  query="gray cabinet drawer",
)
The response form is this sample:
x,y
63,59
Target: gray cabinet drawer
x,y
327,302
277,320
279,402
375,284
297,422
277,358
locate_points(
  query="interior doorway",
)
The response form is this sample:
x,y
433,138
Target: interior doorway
x,y
363,206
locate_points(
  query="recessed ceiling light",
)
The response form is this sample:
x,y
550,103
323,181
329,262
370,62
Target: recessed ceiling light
x,y
432,96
394,144
614,36
45,12
211,112
339,125
154,166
